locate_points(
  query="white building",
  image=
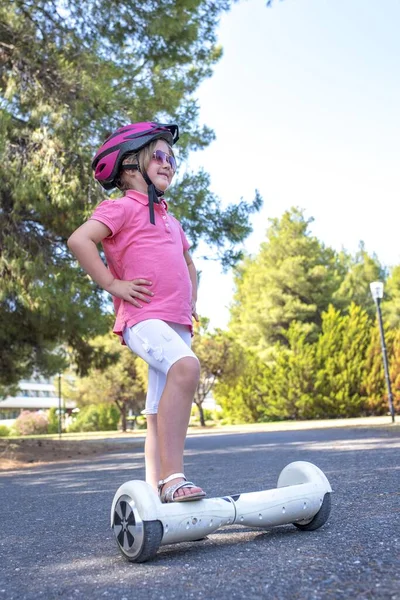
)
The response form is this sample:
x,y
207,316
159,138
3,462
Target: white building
x,y
35,395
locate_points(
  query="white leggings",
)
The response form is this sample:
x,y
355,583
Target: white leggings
x,y
160,344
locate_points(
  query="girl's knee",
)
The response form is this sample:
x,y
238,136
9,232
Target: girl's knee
x,y
186,370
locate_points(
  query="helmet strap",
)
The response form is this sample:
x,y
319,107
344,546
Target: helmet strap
x,y
154,194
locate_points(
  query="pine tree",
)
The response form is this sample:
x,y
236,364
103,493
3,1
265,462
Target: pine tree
x,y
293,375
360,271
374,382
394,369
341,354
242,389
293,277
69,75
391,303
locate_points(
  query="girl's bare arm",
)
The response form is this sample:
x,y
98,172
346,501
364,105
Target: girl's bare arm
x,y
83,244
193,279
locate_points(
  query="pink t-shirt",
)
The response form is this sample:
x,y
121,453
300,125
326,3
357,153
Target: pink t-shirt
x,y
136,249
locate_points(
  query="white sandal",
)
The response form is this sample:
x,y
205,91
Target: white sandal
x,y
168,494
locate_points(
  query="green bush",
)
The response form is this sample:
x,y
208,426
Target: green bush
x,y
31,423
208,414
137,422
141,422
211,417
4,431
52,417
96,417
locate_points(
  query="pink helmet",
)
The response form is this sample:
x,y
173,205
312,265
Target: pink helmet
x,y
130,138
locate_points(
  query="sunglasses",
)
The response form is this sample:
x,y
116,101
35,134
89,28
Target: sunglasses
x,y
162,157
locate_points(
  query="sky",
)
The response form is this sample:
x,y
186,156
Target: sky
x,y
305,105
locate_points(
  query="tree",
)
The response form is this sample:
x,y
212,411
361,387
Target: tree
x,y
374,382
391,304
291,390
70,74
242,390
373,385
121,382
283,388
214,351
395,371
341,355
361,270
293,277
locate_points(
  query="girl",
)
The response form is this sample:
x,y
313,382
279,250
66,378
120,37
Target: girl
x,y
153,281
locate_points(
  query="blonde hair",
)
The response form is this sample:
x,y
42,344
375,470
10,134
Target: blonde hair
x,y
142,158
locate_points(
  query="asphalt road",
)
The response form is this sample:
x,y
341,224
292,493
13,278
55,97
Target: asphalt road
x,y
55,540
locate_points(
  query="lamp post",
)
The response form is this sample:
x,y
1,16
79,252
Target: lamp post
x,y
59,407
377,294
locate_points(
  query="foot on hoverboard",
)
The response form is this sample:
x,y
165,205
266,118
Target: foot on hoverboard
x,y
168,495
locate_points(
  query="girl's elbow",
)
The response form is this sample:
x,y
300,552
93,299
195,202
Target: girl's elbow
x,y
70,241
73,241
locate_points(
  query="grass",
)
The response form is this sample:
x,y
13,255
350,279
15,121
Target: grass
x,y
212,427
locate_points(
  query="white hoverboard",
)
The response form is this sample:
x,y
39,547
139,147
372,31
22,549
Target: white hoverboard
x,y
141,523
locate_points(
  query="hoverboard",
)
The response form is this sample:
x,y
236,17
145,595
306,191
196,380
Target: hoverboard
x,y
141,523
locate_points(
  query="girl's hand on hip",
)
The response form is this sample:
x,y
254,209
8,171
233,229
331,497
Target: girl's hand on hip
x,y
134,291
